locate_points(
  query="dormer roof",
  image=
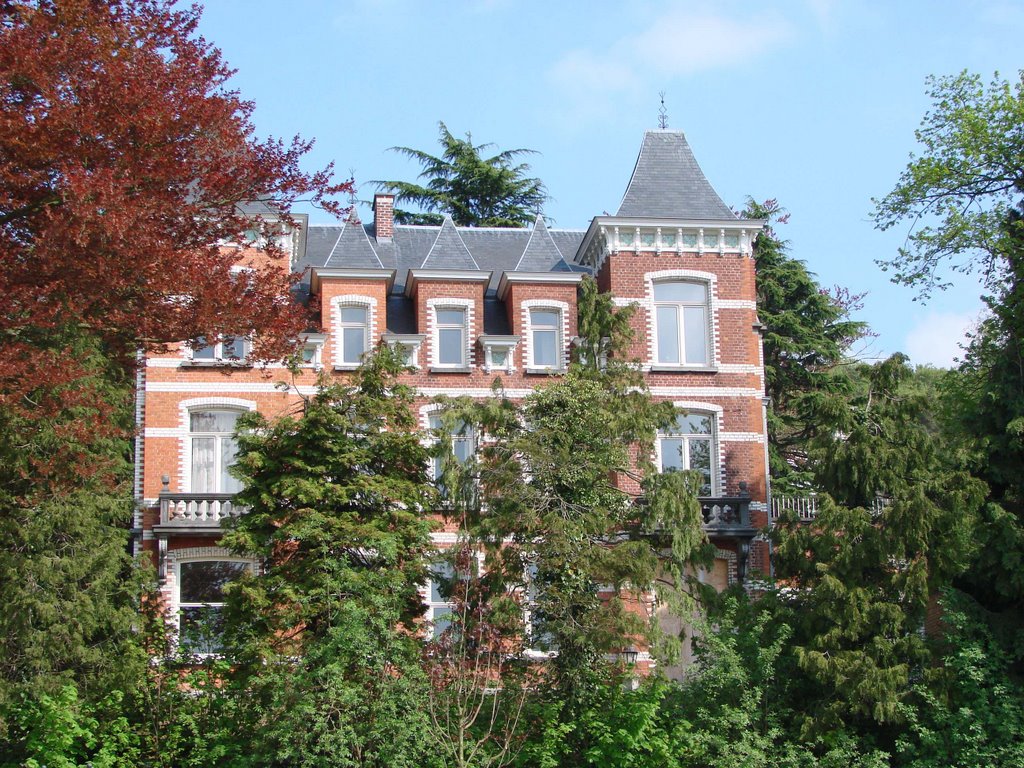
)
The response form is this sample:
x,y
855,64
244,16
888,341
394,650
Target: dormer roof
x,y
449,251
541,253
668,183
353,249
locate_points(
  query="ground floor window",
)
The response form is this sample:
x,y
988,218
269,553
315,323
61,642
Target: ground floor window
x,y
201,600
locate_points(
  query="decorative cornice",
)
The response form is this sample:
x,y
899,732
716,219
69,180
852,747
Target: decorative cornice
x,y
445,276
543,278
321,273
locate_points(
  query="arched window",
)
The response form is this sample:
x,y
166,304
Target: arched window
x,y
681,322
689,443
201,600
212,448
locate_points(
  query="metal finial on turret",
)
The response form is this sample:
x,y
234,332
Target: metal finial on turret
x,y
662,112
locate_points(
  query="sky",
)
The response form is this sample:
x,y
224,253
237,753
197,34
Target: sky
x,y
810,102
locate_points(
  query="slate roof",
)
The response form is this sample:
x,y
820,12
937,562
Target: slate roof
x,y
541,253
449,251
352,250
492,250
668,183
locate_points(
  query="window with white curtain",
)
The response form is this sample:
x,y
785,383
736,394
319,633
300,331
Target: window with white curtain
x,y
212,447
451,337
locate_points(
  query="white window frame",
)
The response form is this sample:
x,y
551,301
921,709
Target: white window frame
x,y
406,344
713,450
561,334
465,306
347,325
316,343
680,307
338,303
194,555
190,437
467,437
507,345
555,329
219,357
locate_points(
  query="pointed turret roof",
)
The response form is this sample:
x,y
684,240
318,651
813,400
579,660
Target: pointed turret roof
x,y
541,253
668,183
449,251
353,250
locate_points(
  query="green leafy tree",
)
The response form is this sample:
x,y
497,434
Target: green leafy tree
x,y
474,189
968,710
322,639
555,510
807,334
898,523
958,193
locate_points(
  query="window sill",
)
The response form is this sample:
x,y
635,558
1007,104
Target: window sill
x,y
215,364
544,371
450,369
683,369
346,367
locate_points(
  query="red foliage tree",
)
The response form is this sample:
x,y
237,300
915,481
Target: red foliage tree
x,y
124,160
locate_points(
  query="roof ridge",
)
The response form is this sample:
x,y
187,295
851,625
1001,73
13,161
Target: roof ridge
x,y
335,246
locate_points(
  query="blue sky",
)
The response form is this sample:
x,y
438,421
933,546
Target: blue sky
x,y
812,102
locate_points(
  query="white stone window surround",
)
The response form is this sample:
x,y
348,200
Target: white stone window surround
x,y
316,342
185,409
410,342
561,344
372,320
717,448
469,331
490,345
681,275
174,560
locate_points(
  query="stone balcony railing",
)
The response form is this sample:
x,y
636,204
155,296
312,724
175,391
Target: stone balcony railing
x,y
196,511
726,514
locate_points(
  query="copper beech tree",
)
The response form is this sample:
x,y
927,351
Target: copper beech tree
x,y
126,160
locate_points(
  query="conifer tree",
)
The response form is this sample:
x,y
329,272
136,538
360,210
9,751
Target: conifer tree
x,y
896,525
322,638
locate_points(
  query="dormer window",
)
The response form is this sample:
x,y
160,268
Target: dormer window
x,y
545,338
451,337
355,323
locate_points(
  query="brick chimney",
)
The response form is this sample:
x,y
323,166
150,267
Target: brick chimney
x,y
384,217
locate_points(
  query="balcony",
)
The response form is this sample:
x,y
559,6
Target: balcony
x,y
805,507
727,515
195,512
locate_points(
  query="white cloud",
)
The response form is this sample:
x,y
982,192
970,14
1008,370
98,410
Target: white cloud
x,y
677,43
937,338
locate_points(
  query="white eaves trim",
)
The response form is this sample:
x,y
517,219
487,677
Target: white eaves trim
x,y
548,278
445,275
321,273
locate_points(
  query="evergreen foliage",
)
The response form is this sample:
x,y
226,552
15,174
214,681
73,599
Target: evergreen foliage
x,y
475,190
807,334
321,639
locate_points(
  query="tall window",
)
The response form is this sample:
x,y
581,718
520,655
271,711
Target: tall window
x,y
463,446
212,441
451,337
681,317
439,604
545,331
200,602
354,334
688,444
